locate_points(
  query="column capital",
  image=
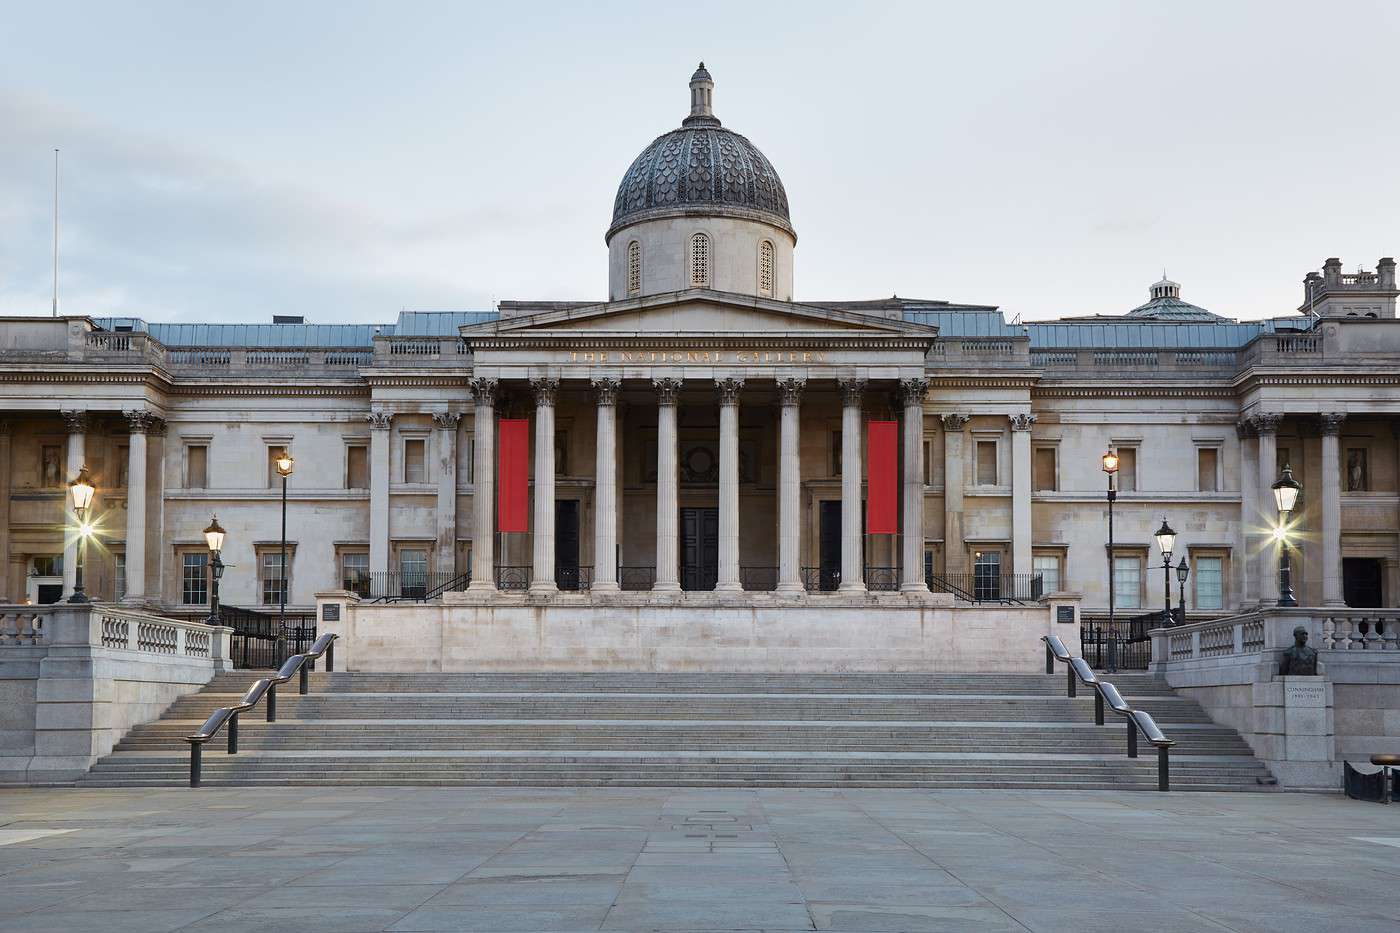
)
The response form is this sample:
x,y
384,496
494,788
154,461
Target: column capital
x,y
667,390
139,420
484,390
955,422
852,390
728,390
447,420
1244,429
380,420
1267,422
545,389
913,391
1331,422
605,390
790,390
156,427
75,421
1022,422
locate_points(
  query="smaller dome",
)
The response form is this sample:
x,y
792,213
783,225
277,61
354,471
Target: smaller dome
x,y
1166,305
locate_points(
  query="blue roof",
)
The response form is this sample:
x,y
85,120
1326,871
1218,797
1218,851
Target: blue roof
x,y
410,324
438,323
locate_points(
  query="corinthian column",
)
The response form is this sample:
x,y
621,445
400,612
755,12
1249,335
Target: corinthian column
x,y
1266,425
954,551
542,577
790,487
77,424
667,502
1021,493
484,485
852,544
913,392
605,488
446,422
1332,510
140,422
380,422
728,391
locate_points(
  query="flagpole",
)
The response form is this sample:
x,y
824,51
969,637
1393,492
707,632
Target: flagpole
x,y
55,233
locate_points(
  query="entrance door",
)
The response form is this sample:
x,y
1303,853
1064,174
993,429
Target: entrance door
x,y
829,545
566,575
699,548
1361,582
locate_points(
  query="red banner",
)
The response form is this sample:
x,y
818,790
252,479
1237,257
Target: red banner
x,y
882,484
513,475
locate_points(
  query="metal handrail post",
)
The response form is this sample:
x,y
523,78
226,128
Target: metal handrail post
x,y
272,703
233,734
1163,775
1069,671
196,761
1132,738
302,684
1098,708
1049,659
330,657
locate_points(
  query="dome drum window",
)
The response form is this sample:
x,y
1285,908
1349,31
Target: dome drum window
x,y
765,269
699,261
634,269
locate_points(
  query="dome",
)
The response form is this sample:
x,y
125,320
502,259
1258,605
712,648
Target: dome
x,y
701,168
1166,305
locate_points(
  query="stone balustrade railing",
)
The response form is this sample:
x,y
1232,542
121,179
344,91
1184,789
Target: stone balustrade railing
x,y
1255,633
97,625
1361,630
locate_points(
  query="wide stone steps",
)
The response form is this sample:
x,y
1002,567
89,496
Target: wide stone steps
x,y
727,730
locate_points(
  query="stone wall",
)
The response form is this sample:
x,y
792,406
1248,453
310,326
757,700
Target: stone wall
x,y
692,632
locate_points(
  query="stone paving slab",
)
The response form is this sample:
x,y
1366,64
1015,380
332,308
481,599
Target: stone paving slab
x,y
410,860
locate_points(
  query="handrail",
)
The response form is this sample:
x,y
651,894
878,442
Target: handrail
x,y
1107,694
267,686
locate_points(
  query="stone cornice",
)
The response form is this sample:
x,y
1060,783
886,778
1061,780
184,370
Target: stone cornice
x,y
1368,378
1135,391
999,381
341,390
594,341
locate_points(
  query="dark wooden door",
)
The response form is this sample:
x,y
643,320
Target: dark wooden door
x,y
829,545
699,548
566,574
1361,582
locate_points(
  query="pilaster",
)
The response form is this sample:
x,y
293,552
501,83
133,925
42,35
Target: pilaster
x,y
1331,425
1021,425
380,424
954,551
446,423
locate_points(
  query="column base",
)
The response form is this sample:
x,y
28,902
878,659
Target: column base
x,y
915,589
138,601
548,586
851,588
608,586
481,586
731,586
792,588
667,587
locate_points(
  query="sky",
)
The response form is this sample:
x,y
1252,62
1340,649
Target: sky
x,y
346,161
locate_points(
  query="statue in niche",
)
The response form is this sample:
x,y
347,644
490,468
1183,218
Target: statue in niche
x,y
50,468
1356,470
1299,660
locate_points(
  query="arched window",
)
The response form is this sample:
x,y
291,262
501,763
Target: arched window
x,y
699,261
765,269
634,269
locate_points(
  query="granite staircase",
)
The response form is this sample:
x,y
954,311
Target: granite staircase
x,y
712,730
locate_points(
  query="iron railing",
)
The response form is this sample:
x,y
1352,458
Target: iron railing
x,y
636,578
881,578
512,577
821,579
1105,693
988,587
253,645
302,663
395,585
574,579
758,578
1124,645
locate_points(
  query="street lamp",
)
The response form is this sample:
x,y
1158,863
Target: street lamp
x,y
1166,541
1183,570
283,464
81,492
1110,466
214,537
1285,497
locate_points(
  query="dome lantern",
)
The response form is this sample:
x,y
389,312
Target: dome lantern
x,y
702,93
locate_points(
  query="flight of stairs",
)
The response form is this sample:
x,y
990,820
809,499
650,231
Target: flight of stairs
x,y
745,730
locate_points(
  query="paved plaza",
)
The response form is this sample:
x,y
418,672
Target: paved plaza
x,y
406,859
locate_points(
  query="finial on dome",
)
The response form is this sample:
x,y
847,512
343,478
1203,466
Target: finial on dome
x,y
702,90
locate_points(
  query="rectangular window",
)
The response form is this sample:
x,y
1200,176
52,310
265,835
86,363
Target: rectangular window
x,y
1207,466
274,452
274,583
1047,567
354,572
1127,469
413,572
467,470
357,467
986,463
194,578
196,466
1210,583
119,576
930,472
415,452
1357,478
986,575
1044,470
123,466
48,565
1127,582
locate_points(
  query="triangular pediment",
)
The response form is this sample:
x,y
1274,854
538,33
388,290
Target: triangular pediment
x,y
699,312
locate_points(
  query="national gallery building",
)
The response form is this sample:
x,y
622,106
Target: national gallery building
x,y
702,438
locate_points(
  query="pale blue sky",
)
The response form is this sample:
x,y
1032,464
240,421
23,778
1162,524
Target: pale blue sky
x,y
347,160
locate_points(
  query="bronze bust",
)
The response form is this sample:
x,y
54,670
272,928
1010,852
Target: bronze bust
x,y
1300,659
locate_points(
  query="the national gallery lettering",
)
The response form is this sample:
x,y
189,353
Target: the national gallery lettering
x,y
703,440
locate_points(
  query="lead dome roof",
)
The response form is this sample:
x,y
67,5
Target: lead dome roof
x,y
701,168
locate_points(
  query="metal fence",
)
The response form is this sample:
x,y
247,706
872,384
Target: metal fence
x,y
1124,645
254,642
393,585
988,587
821,579
636,578
759,578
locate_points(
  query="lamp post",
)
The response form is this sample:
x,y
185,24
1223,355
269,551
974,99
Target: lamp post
x,y
214,537
1166,541
1183,570
81,492
1285,497
283,465
1110,466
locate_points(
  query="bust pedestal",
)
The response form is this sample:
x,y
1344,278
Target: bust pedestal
x,y
1294,729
